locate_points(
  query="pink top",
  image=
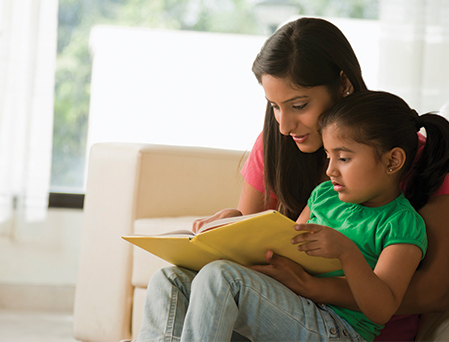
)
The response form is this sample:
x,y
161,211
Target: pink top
x,y
399,328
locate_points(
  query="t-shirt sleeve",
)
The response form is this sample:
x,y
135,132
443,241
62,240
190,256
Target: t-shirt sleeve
x,y
405,227
252,170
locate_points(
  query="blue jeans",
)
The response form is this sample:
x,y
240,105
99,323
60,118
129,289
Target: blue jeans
x,y
182,305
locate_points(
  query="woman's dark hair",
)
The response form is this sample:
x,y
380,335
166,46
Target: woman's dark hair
x,y
308,52
385,121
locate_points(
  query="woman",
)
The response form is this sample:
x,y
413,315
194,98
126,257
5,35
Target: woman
x,y
305,68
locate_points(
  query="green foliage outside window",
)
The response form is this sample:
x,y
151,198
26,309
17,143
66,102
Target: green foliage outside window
x,y
73,70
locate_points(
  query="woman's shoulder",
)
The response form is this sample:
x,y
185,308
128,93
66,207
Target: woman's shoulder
x,y
253,169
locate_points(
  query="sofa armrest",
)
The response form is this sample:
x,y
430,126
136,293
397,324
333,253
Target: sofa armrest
x,y
130,181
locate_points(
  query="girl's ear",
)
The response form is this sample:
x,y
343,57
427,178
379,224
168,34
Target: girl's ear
x,y
395,160
346,86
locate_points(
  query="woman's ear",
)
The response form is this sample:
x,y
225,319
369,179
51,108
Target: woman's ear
x,y
346,86
395,160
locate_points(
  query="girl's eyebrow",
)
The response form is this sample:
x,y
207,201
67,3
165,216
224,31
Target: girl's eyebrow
x,y
340,149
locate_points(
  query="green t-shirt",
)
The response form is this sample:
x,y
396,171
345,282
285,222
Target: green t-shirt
x,y
371,229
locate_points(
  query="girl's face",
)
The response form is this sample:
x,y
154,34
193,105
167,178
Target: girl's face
x,y
356,171
297,110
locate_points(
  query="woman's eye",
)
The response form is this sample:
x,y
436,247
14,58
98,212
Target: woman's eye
x,y
344,160
300,106
274,106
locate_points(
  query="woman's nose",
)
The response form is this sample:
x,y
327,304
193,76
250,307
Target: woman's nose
x,y
287,122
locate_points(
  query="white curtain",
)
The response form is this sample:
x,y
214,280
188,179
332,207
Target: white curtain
x,y
28,31
414,51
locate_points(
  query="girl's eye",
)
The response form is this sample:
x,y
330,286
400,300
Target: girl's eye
x,y
274,106
344,160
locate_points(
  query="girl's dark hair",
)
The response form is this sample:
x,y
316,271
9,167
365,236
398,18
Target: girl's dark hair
x,y
308,52
385,121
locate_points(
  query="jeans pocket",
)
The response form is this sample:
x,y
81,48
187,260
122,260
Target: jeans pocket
x,y
336,328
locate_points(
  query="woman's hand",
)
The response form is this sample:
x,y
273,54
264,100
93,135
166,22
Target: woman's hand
x,y
197,224
287,272
323,241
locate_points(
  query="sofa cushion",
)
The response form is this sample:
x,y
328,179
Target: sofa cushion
x,y
144,263
434,327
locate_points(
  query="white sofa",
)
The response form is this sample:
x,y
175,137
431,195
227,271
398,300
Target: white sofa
x,y
135,188
144,188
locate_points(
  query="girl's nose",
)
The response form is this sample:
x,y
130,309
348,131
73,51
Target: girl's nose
x,y
331,170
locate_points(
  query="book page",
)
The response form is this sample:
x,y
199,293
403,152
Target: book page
x,y
178,233
228,220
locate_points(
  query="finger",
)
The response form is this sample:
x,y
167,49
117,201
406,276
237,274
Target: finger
x,y
308,227
304,238
278,261
308,247
199,223
265,269
269,256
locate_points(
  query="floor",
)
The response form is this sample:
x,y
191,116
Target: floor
x,y
25,326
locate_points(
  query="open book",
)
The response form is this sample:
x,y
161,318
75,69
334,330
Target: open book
x,y
243,239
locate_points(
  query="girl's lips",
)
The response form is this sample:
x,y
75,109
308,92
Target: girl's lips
x,y
337,187
300,138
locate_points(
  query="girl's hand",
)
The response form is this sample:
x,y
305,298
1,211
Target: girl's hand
x,y
323,241
197,224
287,272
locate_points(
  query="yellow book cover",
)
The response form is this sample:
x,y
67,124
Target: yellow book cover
x,y
243,239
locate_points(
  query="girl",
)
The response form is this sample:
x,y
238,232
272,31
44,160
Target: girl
x,y
305,68
370,139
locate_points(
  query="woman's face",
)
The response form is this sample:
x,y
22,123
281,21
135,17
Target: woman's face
x,y
297,110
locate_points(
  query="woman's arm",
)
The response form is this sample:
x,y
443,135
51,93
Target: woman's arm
x,y
251,201
429,288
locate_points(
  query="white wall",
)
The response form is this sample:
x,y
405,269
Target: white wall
x,y
189,88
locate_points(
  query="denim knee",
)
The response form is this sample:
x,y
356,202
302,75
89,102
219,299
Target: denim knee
x,y
220,271
161,276
176,276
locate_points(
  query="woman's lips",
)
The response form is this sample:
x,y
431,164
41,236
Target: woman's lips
x,y
299,139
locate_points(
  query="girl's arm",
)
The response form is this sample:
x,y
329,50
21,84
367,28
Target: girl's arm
x,y
377,293
428,290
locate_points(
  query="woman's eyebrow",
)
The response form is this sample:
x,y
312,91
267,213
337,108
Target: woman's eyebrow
x,y
292,99
300,97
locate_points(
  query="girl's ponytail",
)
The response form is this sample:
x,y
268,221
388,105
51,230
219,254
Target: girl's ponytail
x,y
385,121
433,164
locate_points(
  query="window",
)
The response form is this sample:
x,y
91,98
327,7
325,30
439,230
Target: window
x,y
251,21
